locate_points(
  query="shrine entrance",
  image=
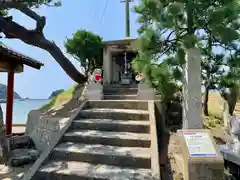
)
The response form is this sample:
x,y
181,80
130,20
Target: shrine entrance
x,y
117,58
123,72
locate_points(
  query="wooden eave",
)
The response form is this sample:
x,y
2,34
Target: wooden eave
x,y
12,59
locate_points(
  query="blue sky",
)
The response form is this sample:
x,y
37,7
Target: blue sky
x,y
62,22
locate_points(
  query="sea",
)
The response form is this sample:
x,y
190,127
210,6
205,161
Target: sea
x,y
21,108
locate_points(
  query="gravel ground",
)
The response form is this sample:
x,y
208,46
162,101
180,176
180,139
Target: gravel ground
x,y
7,173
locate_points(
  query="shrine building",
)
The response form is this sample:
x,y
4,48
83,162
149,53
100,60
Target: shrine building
x,y
117,58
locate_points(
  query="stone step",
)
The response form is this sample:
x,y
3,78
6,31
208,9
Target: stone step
x,y
112,97
109,91
102,154
112,125
65,170
108,138
120,86
118,104
105,113
127,93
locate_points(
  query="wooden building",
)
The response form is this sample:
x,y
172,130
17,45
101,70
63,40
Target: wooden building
x,y
13,62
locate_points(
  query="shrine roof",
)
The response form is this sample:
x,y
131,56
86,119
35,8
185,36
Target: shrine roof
x,y
126,41
19,58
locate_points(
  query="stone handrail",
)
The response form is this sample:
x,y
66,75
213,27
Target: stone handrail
x,y
54,141
3,142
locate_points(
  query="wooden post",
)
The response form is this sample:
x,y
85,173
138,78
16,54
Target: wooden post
x,y
9,110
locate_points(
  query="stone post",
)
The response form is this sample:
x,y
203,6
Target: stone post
x,y
107,66
94,90
4,151
192,95
225,115
145,92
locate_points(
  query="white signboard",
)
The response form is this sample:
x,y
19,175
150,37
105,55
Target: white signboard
x,y
199,144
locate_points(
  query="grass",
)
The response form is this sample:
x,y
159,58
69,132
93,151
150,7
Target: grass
x,y
60,99
215,104
210,122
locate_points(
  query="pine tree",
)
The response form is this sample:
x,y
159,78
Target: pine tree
x,y
170,27
10,29
229,83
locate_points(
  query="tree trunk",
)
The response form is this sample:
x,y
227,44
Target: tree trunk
x,y
12,30
205,103
232,100
66,65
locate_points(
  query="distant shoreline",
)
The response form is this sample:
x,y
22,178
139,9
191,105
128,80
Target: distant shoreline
x,y
21,108
23,99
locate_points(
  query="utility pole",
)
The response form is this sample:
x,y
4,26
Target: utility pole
x,y
127,16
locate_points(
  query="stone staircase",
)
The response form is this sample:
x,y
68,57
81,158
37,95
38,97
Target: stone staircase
x,y
110,139
117,91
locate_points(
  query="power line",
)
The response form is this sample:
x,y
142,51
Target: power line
x,y
94,14
104,10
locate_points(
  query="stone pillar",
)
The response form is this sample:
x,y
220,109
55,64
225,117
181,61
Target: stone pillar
x,y
192,95
114,71
104,66
225,115
94,91
107,66
145,92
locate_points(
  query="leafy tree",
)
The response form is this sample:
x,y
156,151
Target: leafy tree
x,y
56,93
169,28
87,48
35,37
